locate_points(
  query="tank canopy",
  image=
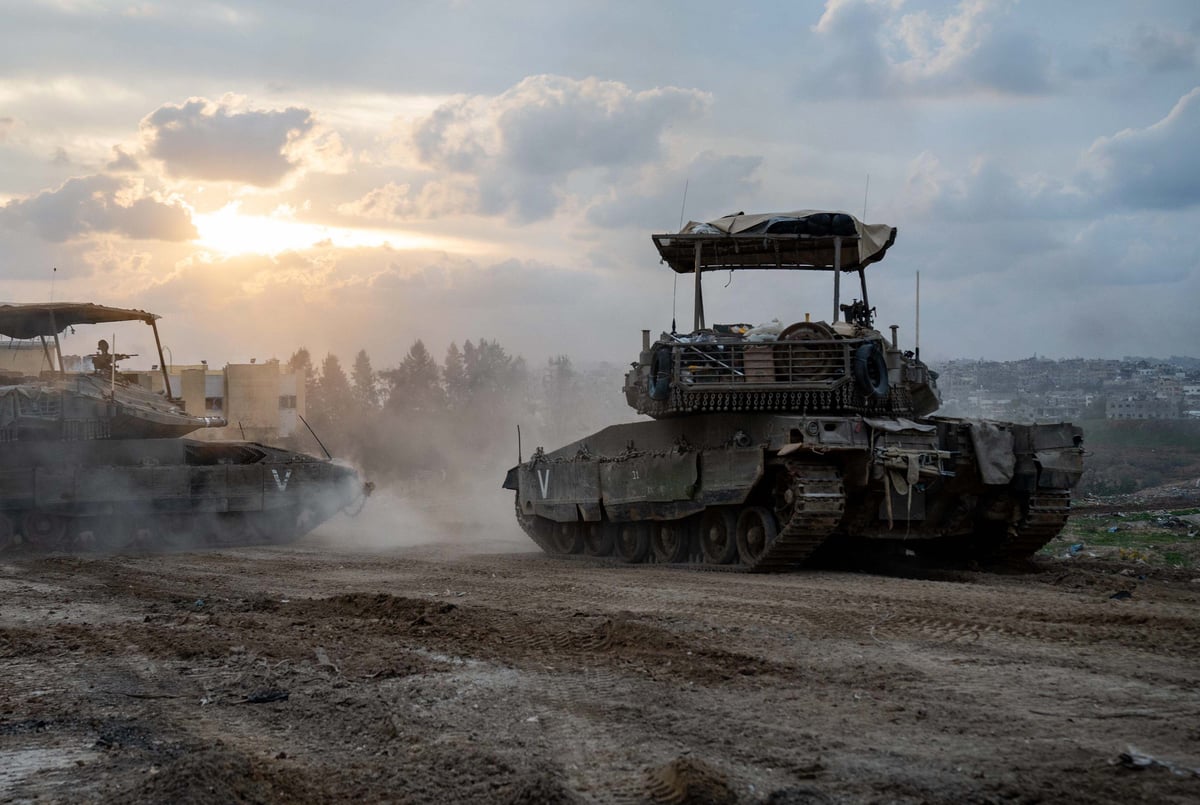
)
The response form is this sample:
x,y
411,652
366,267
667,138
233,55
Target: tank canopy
x,y
803,240
50,318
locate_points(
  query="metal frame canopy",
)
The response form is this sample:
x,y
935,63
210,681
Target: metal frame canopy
x,y
25,321
48,319
801,240
805,240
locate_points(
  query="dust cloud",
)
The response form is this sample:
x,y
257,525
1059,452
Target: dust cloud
x,y
438,470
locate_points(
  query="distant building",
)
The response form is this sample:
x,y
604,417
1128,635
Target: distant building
x,y
262,402
1139,407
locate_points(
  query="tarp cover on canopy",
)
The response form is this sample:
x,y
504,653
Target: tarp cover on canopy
x,y
47,318
785,240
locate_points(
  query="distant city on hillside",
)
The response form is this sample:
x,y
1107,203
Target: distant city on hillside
x,y
1039,389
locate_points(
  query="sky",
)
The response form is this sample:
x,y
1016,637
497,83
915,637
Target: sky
x,y
359,175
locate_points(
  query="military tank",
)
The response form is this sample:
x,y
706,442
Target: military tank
x,y
93,459
769,446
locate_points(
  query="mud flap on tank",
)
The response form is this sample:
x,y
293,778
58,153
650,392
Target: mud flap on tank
x,y
553,489
727,476
1060,468
994,451
651,487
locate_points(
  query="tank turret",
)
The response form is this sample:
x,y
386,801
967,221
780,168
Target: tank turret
x,y
772,441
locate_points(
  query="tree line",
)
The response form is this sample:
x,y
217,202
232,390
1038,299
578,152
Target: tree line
x,y
425,420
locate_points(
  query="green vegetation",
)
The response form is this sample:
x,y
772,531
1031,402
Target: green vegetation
x,y
1138,537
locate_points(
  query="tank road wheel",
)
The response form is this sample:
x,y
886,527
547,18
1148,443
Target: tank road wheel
x,y
180,532
597,539
718,535
8,534
632,542
235,529
44,530
756,530
672,542
567,538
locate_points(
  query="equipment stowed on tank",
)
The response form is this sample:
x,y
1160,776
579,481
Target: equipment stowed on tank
x,y
768,444
94,459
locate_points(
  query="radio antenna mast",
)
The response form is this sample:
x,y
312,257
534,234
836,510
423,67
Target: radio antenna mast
x,y
866,190
675,280
918,349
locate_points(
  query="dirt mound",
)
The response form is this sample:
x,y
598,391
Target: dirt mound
x,y
222,775
687,781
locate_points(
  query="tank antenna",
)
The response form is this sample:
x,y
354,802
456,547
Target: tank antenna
x,y
918,346
315,436
520,460
675,279
53,277
866,190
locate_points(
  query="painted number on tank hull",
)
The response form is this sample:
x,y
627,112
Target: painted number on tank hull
x,y
281,482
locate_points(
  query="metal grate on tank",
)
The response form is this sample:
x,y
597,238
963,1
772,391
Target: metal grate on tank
x,y
799,364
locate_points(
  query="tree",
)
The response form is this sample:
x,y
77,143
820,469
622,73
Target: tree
x,y
454,376
563,400
301,364
490,370
366,389
415,385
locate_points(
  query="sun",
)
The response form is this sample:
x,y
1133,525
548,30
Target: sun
x,y
230,232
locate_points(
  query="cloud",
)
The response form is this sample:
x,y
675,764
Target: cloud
x,y
520,148
870,48
122,162
716,184
1161,51
988,190
100,204
395,202
226,141
1157,166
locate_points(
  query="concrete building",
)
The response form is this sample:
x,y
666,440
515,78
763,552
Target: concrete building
x,y
262,402
1141,407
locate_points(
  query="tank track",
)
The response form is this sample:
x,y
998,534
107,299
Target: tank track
x,y
1044,520
818,502
535,529
814,503
150,533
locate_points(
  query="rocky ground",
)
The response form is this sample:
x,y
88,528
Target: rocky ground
x,y
481,671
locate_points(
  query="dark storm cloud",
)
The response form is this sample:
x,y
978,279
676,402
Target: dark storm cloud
x,y
218,142
1155,167
98,204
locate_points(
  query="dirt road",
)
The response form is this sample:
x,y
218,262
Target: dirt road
x,y
489,673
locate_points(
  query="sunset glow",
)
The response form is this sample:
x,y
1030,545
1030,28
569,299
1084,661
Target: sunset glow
x,y
230,232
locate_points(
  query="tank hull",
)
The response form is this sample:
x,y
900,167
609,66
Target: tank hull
x,y
148,493
761,491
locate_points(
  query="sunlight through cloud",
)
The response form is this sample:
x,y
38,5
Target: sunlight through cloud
x,y
229,231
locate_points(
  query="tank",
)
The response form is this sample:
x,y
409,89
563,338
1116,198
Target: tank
x,y
93,459
768,446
